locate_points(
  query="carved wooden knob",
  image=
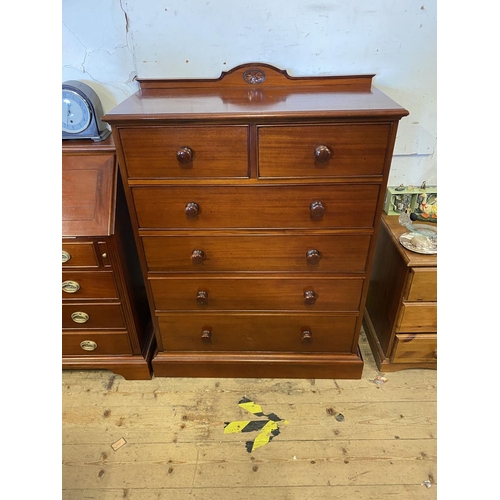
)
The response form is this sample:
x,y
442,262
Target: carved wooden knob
x,y
306,336
202,298
185,155
192,210
313,256
197,256
322,154
309,296
317,209
206,335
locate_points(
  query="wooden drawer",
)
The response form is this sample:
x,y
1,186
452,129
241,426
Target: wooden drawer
x,y
423,284
249,332
92,285
258,252
411,348
99,316
218,151
256,293
79,254
417,317
356,149
109,343
208,207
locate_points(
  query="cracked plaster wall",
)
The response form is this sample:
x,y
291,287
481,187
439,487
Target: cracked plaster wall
x,y
106,43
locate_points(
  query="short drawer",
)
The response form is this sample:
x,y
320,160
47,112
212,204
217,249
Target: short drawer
x,y
79,255
186,152
415,348
417,317
320,206
422,284
88,285
331,150
201,293
91,343
263,332
259,252
89,316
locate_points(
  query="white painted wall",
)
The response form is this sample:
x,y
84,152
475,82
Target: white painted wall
x,y
108,42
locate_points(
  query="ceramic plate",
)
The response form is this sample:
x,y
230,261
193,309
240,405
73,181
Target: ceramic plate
x,y
406,238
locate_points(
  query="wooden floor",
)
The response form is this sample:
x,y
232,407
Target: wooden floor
x,y
342,439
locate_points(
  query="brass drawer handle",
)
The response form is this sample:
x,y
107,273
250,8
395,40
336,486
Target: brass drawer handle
x,y
317,209
192,210
80,317
185,155
197,256
206,335
313,257
65,256
306,336
322,154
310,297
88,345
202,298
70,286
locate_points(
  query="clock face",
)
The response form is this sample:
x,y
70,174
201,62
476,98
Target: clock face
x,y
76,114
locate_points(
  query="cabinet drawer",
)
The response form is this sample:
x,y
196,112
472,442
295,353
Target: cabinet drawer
x,y
91,343
260,252
296,294
92,316
417,317
208,207
220,151
423,284
412,348
88,285
79,255
264,332
353,150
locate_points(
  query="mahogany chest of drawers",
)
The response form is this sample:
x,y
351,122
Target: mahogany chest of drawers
x,y
106,321
255,200
401,307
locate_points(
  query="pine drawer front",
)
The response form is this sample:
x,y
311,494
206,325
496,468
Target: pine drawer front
x,y
78,285
90,315
246,207
186,152
93,343
334,150
415,348
417,317
263,252
79,255
202,293
423,285
254,332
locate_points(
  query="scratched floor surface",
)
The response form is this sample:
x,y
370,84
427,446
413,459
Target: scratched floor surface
x,y
238,439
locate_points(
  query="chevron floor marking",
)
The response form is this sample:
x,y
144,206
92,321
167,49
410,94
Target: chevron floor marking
x,y
268,428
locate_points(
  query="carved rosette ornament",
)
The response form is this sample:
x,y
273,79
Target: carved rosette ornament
x,y
254,76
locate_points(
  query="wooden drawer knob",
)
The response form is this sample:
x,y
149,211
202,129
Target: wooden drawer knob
x,y
192,210
306,336
65,256
322,154
309,296
80,317
313,257
206,335
88,345
185,155
202,298
70,286
317,209
198,256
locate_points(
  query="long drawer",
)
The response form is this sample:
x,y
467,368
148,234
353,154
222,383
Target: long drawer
x,y
202,293
417,317
91,343
186,152
91,315
332,150
207,207
289,253
257,332
88,285
423,284
415,348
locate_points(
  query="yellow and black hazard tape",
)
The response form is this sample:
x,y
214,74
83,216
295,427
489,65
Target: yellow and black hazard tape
x,y
268,428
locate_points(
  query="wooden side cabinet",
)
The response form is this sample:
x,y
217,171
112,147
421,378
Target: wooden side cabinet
x,y
105,315
400,318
